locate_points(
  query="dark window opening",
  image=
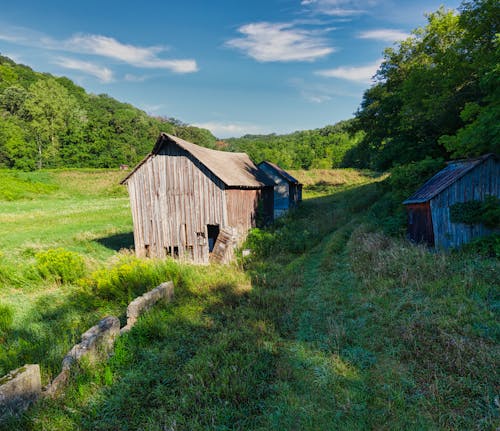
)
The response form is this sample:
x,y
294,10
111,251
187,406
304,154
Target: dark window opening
x,y
146,247
213,233
172,252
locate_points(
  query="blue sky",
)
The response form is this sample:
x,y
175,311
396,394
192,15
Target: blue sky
x,y
234,67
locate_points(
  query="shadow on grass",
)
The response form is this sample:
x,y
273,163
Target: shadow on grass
x,y
118,241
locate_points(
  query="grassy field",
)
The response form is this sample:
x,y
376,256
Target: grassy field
x,y
328,325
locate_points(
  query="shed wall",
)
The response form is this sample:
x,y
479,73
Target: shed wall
x,y
173,199
483,180
281,190
242,206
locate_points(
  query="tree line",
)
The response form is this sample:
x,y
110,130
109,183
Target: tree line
x,y
437,94
50,122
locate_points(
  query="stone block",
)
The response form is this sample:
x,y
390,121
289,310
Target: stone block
x,y
164,292
97,343
20,387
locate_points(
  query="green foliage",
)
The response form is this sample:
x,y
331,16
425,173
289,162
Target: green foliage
x,y
437,92
488,246
61,265
473,212
311,149
406,179
51,122
128,278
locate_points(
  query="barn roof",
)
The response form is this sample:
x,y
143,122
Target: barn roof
x,y
284,174
445,178
233,169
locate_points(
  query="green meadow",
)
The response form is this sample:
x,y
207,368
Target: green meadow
x,y
330,323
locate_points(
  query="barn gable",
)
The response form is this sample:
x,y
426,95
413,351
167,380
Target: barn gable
x,y
183,196
460,181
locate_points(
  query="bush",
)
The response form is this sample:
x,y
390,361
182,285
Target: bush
x,y
60,265
406,179
131,277
487,246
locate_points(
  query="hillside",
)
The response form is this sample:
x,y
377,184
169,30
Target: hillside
x,y
48,121
328,324
322,148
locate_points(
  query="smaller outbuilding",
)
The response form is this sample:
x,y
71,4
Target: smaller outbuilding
x,y
287,189
461,181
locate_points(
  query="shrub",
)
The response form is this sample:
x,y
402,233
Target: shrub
x,y
61,265
487,246
131,277
406,179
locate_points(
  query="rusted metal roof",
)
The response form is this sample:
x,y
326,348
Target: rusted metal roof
x,y
281,172
446,177
233,169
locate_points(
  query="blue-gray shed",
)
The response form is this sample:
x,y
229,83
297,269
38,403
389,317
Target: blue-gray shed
x,y
460,181
287,189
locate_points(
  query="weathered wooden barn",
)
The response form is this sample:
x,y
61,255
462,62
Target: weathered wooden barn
x,y
195,203
287,190
460,181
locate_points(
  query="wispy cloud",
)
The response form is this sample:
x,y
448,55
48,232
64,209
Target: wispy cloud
x,y
317,93
130,77
266,42
226,130
384,34
145,57
338,8
102,73
98,45
362,74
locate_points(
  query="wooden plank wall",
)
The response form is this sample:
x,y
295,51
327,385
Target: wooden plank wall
x,y
476,185
173,197
242,210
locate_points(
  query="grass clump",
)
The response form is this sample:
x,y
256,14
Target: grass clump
x,y
129,277
60,265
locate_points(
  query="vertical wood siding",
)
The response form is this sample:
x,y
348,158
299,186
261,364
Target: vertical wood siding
x,y
420,223
173,198
483,180
242,210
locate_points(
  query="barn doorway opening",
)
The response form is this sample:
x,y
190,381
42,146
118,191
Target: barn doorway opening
x,y
213,232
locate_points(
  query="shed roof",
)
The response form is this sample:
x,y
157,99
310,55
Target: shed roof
x,y
281,172
444,178
233,169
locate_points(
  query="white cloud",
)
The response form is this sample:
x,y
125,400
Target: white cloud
x,y
145,57
338,8
315,92
384,34
135,78
267,42
362,74
226,130
99,45
102,73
